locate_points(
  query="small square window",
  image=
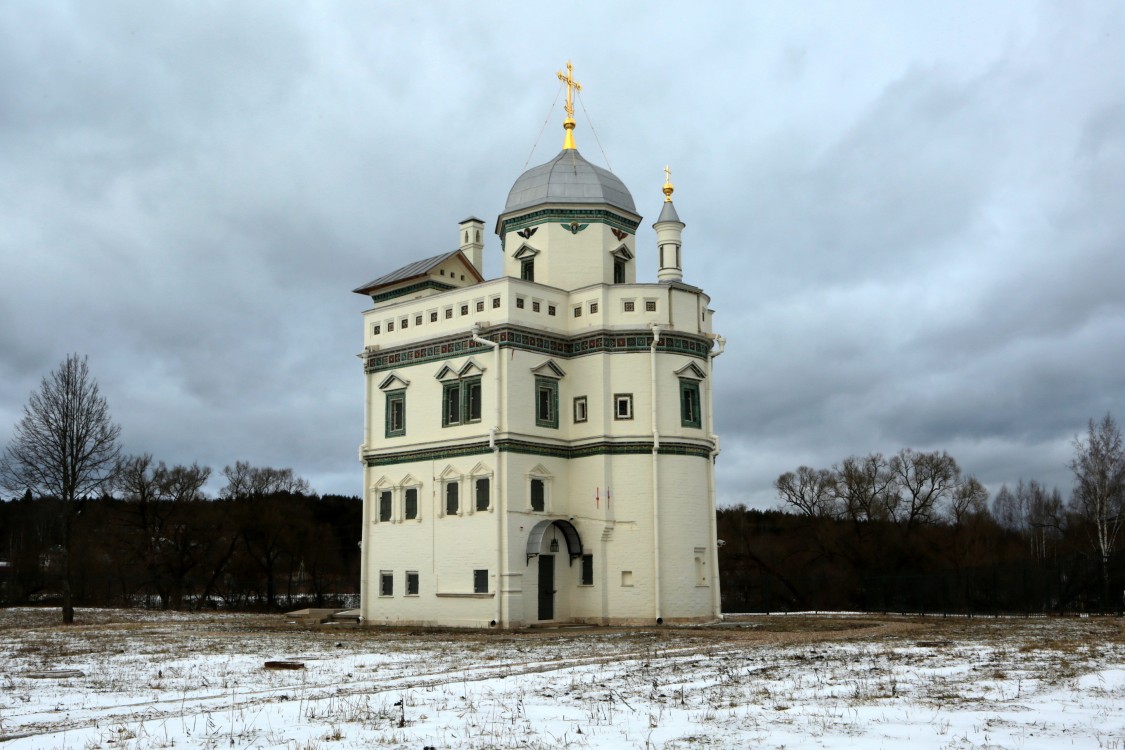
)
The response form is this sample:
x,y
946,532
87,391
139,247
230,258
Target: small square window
x,y
412,583
550,309
462,277
630,305
535,306
410,504
623,406
519,302
578,312
442,271
448,313
405,323
495,302
433,316
417,320
386,583
480,305
587,578
464,309
375,329
579,408
593,308
483,493
626,578
390,326
385,506
650,305
480,581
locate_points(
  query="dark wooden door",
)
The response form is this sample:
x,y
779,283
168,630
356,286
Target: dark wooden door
x,y
546,587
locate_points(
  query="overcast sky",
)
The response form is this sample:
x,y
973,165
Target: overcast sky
x,y
910,216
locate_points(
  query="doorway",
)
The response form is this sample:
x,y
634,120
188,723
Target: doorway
x,y
546,587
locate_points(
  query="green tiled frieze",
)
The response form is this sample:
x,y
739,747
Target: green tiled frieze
x,y
641,447
511,337
402,291
567,216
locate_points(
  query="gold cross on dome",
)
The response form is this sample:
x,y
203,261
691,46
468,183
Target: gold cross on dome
x,y
571,86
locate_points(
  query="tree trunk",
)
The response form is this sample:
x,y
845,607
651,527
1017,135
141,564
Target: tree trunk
x,y
67,604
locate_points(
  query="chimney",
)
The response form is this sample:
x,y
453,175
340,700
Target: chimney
x,y
471,235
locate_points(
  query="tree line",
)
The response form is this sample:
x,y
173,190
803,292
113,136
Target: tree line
x,y
95,526
910,532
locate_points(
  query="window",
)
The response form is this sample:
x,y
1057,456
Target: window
x,y
433,316
587,578
650,305
527,269
480,581
535,305
480,305
546,402
385,505
448,313
452,499
405,323
375,329
417,320
578,311
623,406
464,309
396,413
630,305
626,578
538,495
412,583
593,308
579,409
390,326
550,309
410,504
461,402
483,487
386,583
689,404
519,302
495,302
618,271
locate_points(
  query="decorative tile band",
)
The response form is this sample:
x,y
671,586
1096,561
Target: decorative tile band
x,y
402,291
512,337
566,216
527,447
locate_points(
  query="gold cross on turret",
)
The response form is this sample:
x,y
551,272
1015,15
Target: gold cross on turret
x,y
571,86
667,184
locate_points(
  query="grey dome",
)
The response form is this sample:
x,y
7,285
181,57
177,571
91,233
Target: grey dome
x,y
568,178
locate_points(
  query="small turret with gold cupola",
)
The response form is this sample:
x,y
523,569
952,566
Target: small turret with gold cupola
x,y
668,236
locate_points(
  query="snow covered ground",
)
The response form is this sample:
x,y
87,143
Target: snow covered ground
x,y
162,680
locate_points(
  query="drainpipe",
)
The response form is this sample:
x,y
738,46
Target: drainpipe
x,y
716,599
655,476
502,509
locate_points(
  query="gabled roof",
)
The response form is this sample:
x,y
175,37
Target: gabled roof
x,y
417,269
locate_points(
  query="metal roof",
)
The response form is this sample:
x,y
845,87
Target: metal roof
x,y
417,268
668,213
568,178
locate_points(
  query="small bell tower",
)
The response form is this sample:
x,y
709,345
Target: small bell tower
x,y
668,231
472,242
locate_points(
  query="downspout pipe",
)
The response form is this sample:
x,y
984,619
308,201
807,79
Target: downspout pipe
x,y
501,559
716,594
655,477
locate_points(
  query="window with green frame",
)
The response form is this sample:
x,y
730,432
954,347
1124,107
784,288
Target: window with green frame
x,y
396,413
461,402
546,402
689,404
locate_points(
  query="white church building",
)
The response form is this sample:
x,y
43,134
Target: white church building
x,y
539,447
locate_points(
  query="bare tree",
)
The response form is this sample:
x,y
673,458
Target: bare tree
x,y
811,491
863,487
920,482
1099,488
969,498
244,480
66,446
